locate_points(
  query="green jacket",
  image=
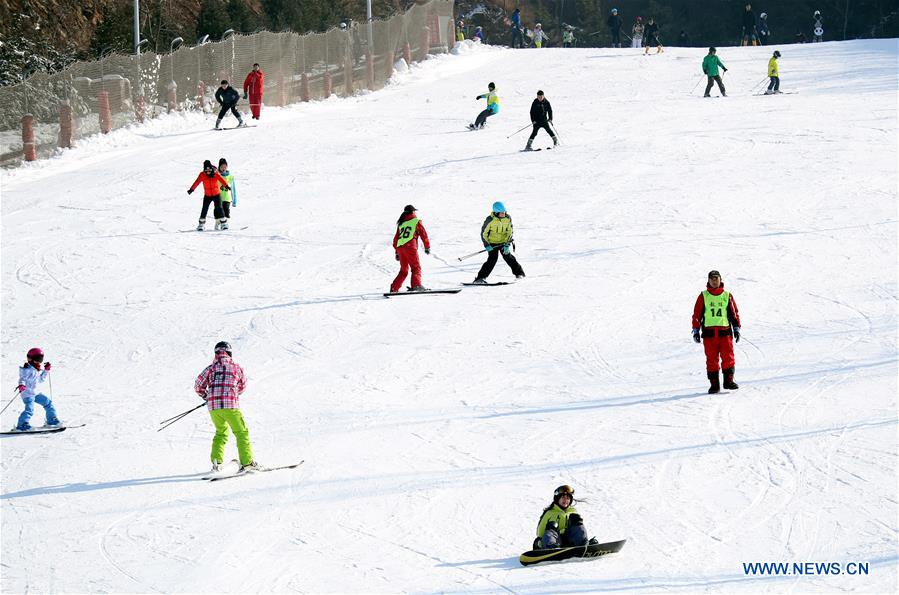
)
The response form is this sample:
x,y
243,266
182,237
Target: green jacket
x,y
711,63
229,195
555,513
496,230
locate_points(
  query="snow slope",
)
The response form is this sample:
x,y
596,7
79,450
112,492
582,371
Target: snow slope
x,y
435,428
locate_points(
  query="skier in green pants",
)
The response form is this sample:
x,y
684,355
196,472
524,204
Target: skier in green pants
x,y
220,385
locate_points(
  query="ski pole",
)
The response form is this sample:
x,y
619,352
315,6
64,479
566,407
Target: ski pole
x,y
179,417
553,126
472,254
697,84
16,390
517,131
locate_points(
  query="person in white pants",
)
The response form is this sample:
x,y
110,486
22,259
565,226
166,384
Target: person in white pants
x,y
637,34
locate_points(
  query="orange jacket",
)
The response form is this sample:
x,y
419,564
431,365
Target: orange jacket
x,y
212,185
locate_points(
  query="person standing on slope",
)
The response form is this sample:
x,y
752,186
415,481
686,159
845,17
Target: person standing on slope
x,y
539,36
492,107
405,243
541,117
496,233
560,524
818,28
774,74
30,375
517,39
764,31
717,320
253,88
220,384
637,33
750,32
710,66
614,23
228,194
213,183
227,96
651,37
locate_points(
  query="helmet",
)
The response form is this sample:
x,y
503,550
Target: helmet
x,y
776,54
491,86
817,12
614,11
223,347
714,274
563,489
764,15
499,207
36,354
538,25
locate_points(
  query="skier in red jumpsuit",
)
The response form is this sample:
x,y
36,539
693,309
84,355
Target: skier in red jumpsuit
x,y
716,318
405,241
252,87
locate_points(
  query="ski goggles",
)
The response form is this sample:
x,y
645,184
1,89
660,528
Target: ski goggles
x,y
564,490
37,358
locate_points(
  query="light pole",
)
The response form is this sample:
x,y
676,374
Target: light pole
x,y
368,16
137,27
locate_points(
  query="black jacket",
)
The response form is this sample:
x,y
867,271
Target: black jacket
x,y
541,111
614,22
748,21
651,31
229,96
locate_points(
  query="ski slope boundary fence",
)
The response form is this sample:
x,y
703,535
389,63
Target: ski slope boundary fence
x,y
50,111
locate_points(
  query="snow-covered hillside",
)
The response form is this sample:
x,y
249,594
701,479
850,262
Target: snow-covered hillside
x,y
434,428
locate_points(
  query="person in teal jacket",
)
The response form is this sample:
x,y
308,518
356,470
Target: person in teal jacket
x,y
229,197
710,66
492,107
560,524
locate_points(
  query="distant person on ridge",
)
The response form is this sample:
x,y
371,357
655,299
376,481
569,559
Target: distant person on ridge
x,y
717,321
764,31
774,73
651,37
253,87
541,117
517,39
614,23
496,233
227,96
750,33
568,37
539,36
637,33
710,66
491,110
405,244
818,28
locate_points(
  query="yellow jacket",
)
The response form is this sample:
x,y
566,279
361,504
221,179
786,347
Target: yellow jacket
x,y
496,230
555,513
772,67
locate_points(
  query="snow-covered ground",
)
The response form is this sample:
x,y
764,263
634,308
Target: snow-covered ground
x,y
435,428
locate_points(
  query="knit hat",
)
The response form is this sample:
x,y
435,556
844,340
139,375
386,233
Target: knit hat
x,y
714,274
207,164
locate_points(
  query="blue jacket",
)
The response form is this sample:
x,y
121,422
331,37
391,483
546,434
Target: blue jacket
x,y
516,18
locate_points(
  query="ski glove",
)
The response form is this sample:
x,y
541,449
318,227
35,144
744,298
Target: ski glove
x,y
244,94
737,334
190,190
21,388
488,248
397,256
696,335
47,366
505,248
427,250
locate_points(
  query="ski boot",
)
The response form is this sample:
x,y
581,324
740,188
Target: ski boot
x,y
217,123
714,382
769,92
201,225
218,224
419,288
241,124
224,225
24,426
729,383
479,281
253,466
53,421
555,141
215,466
527,147
519,276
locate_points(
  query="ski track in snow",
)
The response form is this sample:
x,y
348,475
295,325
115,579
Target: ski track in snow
x,y
434,429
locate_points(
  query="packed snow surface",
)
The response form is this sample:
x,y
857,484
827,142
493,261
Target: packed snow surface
x,y
435,428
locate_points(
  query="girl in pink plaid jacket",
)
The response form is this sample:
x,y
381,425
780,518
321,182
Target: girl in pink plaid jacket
x,y
220,384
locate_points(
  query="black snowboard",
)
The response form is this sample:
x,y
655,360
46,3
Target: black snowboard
x,y
564,553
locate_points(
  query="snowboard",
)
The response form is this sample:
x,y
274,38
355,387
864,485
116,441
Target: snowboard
x,y
564,553
40,430
219,476
489,284
426,292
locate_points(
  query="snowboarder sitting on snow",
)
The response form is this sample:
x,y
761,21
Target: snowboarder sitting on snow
x,y
492,107
220,384
212,182
496,233
30,375
405,242
228,97
716,318
541,117
710,66
228,194
560,525
774,73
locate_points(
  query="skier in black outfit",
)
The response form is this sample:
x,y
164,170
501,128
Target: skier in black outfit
x,y
614,23
541,117
228,97
750,32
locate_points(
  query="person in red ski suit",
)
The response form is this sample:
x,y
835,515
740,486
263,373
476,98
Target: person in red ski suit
x,y
252,87
717,320
405,242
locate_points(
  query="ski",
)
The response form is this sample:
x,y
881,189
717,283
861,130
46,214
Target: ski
x,y
236,127
259,470
535,150
225,469
425,292
593,550
40,430
489,284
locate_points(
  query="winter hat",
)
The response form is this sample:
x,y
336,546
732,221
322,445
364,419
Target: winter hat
x,y
539,92
499,207
764,15
639,19
223,347
409,209
224,82
776,54
614,11
491,86
207,164
714,274
712,50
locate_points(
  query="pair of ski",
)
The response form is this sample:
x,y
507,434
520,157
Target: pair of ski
x,y
593,550
429,291
41,430
535,150
232,469
237,127
222,230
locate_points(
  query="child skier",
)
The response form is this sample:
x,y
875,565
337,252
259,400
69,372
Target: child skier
x,y
405,243
539,36
716,318
710,66
560,524
774,73
492,107
228,97
220,384
228,194
541,117
213,183
30,375
496,233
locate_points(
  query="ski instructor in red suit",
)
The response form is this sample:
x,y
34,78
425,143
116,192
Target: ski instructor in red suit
x,y
409,229
717,320
252,87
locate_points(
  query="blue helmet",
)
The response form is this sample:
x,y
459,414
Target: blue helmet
x,y
499,207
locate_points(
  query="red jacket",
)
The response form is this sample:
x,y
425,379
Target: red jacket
x,y
420,231
212,185
733,315
254,82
